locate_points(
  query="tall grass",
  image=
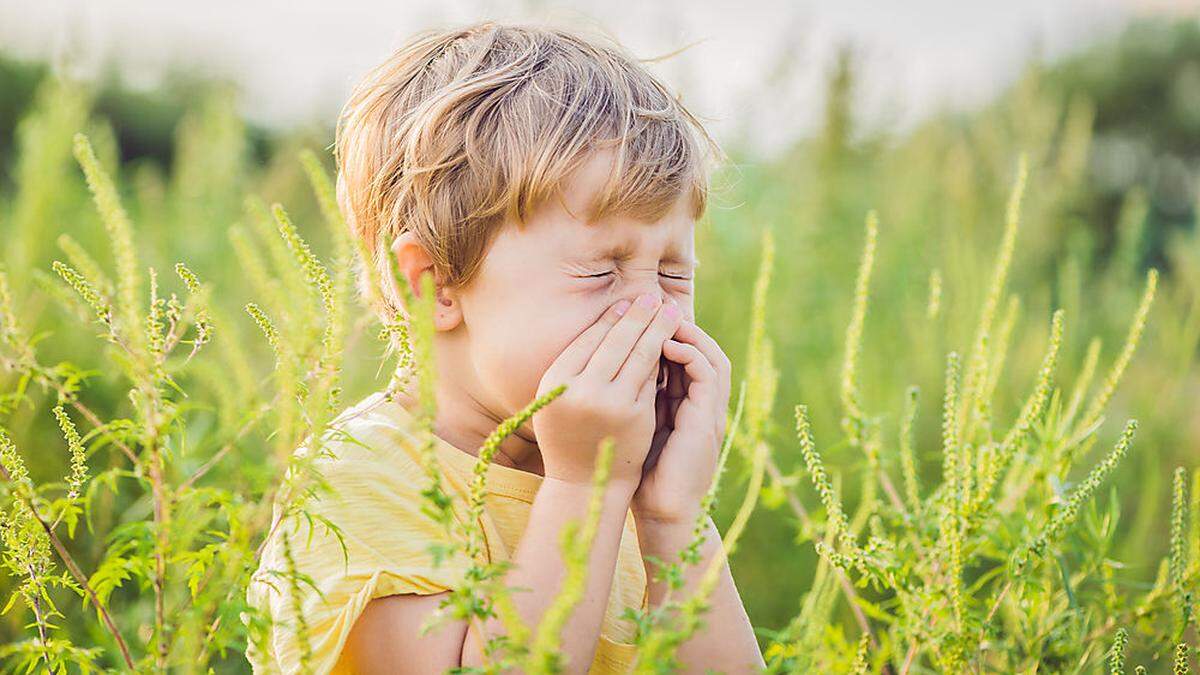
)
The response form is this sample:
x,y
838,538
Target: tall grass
x,y
947,488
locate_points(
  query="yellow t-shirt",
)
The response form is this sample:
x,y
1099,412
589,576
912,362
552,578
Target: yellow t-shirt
x,y
377,506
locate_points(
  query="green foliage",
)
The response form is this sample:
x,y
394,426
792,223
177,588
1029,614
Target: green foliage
x,y
148,425
1116,656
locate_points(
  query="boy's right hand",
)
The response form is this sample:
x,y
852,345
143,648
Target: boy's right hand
x,y
610,371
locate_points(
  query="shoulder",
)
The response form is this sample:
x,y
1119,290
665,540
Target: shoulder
x,y
367,439
358,486
354,527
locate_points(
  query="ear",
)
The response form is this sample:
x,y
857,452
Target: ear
x,y
412,260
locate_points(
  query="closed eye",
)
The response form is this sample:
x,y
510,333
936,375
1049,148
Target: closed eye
x,y
603,274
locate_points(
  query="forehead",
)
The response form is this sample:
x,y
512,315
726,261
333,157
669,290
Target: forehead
x,y
625,240
616,235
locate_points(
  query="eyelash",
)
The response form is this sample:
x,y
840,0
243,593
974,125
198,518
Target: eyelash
x,y
669,276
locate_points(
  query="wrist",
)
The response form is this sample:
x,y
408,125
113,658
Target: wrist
x,y
669,521
613,489
657,535
663,544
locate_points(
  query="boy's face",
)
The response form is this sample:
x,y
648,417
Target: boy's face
x,y
539,287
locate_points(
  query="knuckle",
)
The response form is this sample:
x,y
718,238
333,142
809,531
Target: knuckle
x,y
621,334
584,392
643,353
552,376
723,363
590,395
572,384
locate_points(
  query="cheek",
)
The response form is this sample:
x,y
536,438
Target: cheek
x,y
559,327
517,352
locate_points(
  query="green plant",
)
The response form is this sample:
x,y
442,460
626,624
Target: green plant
x,y
140,455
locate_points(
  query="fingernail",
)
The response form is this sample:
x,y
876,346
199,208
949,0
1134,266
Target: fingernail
x,y
646,300
621,307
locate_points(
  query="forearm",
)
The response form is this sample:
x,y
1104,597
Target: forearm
x,y
725,641
538,566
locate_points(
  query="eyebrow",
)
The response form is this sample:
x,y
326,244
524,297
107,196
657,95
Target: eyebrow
x,y
625,251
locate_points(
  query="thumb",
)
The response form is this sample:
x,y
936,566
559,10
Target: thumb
x,y
647,389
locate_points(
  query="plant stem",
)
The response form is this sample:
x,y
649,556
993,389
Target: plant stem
x,y
220,454
78,574
851,596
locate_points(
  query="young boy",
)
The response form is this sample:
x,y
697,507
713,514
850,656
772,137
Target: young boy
x,y
551,186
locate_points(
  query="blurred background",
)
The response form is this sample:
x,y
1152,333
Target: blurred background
x,y
826,109
914,59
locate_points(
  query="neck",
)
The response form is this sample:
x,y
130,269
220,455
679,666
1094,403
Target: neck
x,y
465,422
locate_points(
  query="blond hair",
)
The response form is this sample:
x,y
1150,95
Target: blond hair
x,y
460,130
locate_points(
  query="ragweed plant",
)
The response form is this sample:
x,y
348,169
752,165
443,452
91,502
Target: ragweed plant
x,y
39,521
167,590
154,410
975,575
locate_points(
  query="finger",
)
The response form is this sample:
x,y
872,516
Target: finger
x,y
722,400
646,391
575,356
654,376
692,334
697,368
719,411
652,382
614,348
646,353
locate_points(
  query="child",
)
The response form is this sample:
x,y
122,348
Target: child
x,y
551,186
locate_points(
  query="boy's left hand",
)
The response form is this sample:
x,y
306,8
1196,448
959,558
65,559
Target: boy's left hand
x,y
689,430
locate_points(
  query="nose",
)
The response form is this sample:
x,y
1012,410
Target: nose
x,y
638,287
663,298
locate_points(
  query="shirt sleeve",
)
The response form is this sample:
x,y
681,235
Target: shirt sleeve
x,y
363,538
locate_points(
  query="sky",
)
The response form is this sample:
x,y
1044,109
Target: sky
x,y
297,61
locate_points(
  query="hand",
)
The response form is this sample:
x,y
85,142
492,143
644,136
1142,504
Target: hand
x,y
610,373
690,428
